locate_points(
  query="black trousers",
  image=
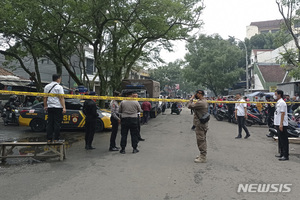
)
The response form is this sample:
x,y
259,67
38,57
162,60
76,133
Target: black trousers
x,y
114,132
283,141
146,116
55,118
90,127
241,125
132,125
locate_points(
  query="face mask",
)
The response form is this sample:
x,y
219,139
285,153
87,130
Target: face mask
x,y
275,97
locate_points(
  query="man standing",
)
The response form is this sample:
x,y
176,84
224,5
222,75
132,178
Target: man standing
x,y
55,106
281,124
230,107
129,121
146,107
200,109
91,115
115,121
241,116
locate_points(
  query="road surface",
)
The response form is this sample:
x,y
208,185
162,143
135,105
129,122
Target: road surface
x,y
163,169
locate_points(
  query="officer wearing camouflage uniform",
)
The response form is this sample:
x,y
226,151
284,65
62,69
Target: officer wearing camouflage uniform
x,y
200,108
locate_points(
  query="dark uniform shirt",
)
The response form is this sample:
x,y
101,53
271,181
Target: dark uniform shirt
x,y
90,109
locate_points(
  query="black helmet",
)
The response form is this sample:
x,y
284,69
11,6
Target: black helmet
x,y
13,97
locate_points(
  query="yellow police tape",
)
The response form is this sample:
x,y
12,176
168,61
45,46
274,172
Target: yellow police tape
x,y
71,96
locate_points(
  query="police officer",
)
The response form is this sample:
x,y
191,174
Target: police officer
x,y
200,108
129,121
115,121
90,111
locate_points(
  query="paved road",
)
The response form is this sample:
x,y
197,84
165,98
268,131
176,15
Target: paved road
x,y
163,169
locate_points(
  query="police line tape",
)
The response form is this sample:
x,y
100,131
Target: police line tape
x,y
72,96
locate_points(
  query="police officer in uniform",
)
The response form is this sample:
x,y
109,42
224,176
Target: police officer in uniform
x,y
91,115
200,108
129,121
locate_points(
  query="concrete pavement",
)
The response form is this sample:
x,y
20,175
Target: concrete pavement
x,y
163,169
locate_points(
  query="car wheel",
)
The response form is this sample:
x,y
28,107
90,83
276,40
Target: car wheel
x,y
99,125
37,125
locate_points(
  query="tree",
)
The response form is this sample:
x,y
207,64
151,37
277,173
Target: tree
x,y
124,33
36,29
171,74
290,11
213,62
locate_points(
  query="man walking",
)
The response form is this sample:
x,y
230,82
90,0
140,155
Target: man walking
x,y
281,124
200,109
55,106
241,116
91,115
115,121
146,107
129,121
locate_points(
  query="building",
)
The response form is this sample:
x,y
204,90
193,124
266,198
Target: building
x,y
271,26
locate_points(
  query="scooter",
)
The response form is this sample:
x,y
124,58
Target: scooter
x,y
293,130
175,109
222,114
255,118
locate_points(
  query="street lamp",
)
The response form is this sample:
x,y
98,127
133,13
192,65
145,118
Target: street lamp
x,y
247,76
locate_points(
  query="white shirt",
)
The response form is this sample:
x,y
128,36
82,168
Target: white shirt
x,y
280,108
53,102
240,107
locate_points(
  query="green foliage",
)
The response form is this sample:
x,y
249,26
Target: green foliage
x,y
124,34
171,74
213,62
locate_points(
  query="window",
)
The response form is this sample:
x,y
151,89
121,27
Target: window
x,y
89,66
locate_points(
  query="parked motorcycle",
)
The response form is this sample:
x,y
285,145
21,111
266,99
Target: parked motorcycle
x,y
255,118
293,130
222,114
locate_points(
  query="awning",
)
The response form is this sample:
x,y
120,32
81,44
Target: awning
x,y
14,83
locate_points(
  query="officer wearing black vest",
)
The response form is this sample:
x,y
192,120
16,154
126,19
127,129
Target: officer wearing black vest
x,y
91,115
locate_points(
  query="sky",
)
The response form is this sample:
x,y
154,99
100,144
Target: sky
x,y
228,18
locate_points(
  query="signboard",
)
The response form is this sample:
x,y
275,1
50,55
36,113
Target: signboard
x,y
272,88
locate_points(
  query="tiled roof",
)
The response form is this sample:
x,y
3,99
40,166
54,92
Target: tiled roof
x,y
272,24
272,73
4,72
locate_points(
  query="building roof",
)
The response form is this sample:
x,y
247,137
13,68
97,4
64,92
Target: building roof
x,y
271,24
4,72
263,50
272,73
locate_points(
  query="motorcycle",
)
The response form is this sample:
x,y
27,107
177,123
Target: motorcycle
x,y
292,130
222,114
10,115
175,109
255,118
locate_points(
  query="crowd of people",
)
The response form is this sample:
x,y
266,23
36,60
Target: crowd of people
x,y
126,113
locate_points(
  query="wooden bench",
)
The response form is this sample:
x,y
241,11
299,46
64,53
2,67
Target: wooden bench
x,y
7,149
293,140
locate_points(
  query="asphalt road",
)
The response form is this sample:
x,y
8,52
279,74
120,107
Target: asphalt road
x,y
163,169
